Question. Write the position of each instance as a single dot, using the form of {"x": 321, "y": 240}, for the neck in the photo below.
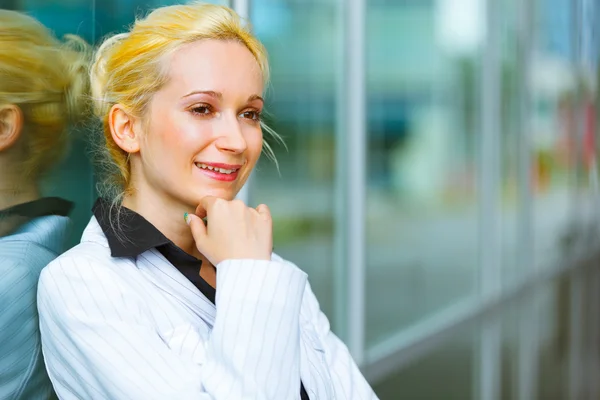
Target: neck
{"x": 166, "y": 215}
{"x": 12, "y": 194}
{"x": 14, "y": 187}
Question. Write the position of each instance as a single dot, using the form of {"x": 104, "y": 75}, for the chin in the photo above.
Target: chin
{"x": 220, "y": 193}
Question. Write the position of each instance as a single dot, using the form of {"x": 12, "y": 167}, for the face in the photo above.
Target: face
{"x": 202, "y": 135}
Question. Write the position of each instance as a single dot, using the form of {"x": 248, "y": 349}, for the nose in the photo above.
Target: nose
{"x": 231, "y": 138}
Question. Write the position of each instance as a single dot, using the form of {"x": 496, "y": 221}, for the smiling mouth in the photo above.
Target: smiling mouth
{"x": 217, "y": 169}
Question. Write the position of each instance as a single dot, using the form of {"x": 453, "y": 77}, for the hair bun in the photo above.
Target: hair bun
{"x": 99, "y": 73}
{"x": 77, "y": 54}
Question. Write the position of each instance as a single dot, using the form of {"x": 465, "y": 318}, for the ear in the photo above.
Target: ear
{"x": 11, "y": 125}
{"x": 124, "y": 129}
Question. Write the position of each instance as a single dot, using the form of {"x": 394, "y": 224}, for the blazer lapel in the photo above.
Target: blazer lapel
{"x": 167, "y": 278}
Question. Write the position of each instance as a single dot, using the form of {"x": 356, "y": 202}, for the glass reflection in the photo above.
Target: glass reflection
{"x": 423, "y": 106}
{"x": 43, "y": 81}
{"x": 554, "y": 123}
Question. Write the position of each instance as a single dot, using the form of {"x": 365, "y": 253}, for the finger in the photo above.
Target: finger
{"x": 205, "y": 205}
{"x": 264, "y": 211}
{"x": 197, "y": 227}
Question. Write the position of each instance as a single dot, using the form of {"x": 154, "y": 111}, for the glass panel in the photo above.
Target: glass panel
{"x": 423, "y": 107}
{"x": 302, "y": 43}
{"x": 537, "y": 332}
{"x": 554, "y": 121}
{"x": 114, "y": 16}
{"x": 41, "y": 156}
{"x": 447, "y": 373}
{"x": 554, "y": 332}
{"x": 73, "y": 178}
{"x": 553, "y": 365}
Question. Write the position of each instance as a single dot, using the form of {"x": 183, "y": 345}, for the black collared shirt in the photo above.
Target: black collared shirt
{"x": 18, "y": 215}
{"x": 136, "y": 235}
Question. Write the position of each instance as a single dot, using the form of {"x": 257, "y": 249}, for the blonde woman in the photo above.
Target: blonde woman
{"x": 42, "y": 86}
{"x": 154, "y": 303}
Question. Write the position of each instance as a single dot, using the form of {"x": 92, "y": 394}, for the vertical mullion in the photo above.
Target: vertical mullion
{"x": 490, "y": 180}
{"x": 527, "y": 368}
{"x": 241, "y": 7}
{"x": 575, "y": 369}
{"x": 592, "y": 364}
{"x": 594, "y": 336}
{"x": 354, "y": 110}
{"x": 489, "y": 176}
{"x": 490, "y": 358}
{"x": 341, "y": 256}
{"x": 575, "y": 334}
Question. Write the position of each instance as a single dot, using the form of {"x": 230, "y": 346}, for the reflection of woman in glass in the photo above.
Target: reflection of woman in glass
{"x": 149, "y": 307}
{"x": 41, "y": 83}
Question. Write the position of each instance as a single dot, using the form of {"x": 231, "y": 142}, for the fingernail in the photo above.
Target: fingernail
{"x": 186, "y": 218}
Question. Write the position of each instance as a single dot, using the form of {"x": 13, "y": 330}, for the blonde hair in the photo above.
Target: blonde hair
{"x": 129, "y": 68}
{"x": 48, "y": 80}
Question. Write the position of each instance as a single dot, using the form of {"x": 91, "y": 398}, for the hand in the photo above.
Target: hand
{"x": 234, "y": 230}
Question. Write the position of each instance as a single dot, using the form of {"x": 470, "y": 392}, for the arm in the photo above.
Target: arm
{"x": 99, "y": 342}
{"x": 19, "y": 334}
{"x": 348, "y": 381}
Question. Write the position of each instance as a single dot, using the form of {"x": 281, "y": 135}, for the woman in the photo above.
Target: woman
{"x": 42, "y": 81}
{"x": 152, "y": 305}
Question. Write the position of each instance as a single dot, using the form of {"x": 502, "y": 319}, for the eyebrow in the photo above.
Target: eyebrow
{"x": 219, "y": 95}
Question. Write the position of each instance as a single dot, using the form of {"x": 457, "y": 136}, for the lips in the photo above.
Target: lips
{"x": 217, "y": 169}
{"x": 219, "y": 172}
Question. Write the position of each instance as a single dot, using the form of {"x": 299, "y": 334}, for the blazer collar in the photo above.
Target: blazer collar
{"x": 162, "y": 274}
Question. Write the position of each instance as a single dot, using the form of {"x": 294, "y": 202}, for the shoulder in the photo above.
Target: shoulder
{"x": 20, "y": 266}
{"x": 83, "y": 254}
{"x": 87, "y": 284}
{"x": 18, "y": 282}
{"x": 87, "y": 262}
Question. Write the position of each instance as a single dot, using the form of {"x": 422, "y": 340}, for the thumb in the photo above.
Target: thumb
{"x": 197, "y": 227}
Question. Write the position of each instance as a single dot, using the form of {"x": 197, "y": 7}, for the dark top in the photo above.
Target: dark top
{"x": 137, "y": 235}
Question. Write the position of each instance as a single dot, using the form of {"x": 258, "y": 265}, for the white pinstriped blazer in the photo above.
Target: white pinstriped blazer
{"x": 125, "y": 328}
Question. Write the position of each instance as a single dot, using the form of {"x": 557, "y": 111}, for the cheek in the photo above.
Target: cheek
{"x": 254, "y": 141}
{"x": 182, "y": 139}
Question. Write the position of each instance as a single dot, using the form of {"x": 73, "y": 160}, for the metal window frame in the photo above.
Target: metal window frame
{"x": 527, "y": 361}
{"x": 380, "y": 360}
{"x": 490, "y": 179}
{"x": 355, "y": 166}
{"x": 421, "y": 338}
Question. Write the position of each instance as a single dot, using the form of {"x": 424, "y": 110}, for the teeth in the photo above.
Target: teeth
{"x": 210, "y": 168}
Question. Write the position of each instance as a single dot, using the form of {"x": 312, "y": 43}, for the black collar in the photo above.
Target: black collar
{"x": 39, "y": 208}
{"x": 128, "y": 233}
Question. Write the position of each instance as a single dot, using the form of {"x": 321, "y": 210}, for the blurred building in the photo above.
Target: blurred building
{"x": 440, "y": 182}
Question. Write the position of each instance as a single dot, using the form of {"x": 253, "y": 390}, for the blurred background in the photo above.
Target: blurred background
{"x": 439, "y": 182}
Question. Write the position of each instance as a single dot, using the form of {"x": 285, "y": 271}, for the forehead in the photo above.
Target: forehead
{"x": 224, "y": 66}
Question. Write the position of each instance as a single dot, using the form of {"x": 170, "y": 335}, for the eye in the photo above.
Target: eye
{"x": 251, "y": 114}
{"x": 201, "y": 109}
